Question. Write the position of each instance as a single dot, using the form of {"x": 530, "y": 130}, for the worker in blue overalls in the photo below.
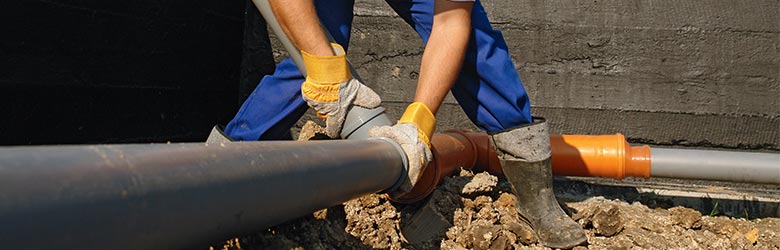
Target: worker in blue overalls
{"x": 463, "y": 54}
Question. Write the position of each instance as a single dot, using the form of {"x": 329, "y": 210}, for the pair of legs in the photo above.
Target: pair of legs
{"x": 488, "y": 87}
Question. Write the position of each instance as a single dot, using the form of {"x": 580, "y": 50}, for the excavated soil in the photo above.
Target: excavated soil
{"x": 476, "y": 211}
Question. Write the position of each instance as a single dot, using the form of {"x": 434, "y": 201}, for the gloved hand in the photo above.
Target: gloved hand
{"x": 330, "y": 89}
{"x": 413, "y": 133}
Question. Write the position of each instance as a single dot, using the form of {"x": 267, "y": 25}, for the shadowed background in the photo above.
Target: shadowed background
{"x": 684, "y": 74}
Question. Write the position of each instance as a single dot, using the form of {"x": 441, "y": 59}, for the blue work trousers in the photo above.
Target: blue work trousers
{"x": 488, "y": 88}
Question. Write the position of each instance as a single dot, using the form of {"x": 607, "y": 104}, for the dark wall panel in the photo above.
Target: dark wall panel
{"x": 118, "y": 71}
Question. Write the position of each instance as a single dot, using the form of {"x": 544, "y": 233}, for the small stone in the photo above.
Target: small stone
{"x": 452, "y": 245}
{"x": 465, "y": 173}
{"x": 483, "y": 235}
{"x": 463, "y": 238}
{"x": 506, "y": 215}
{"x": 453, "y": 232}
{"x": 482, "y": 201}
{"x": 685, "y": 217}
{"x": 369, "y": 201}
{"x": 752, "y": 236}
{"x": 583, "y": 216}
{"x": 389, "y": 214}
{"x": 739, "y": 240}
{"x": 505, "y": 200}
{"x": 480, "y": 184}
{"x": 525, "y": 234}
{"x": 500, "y": 243}
{"x": 607, "y": 220}
{"x": 321, "y": 214}
{"x": 488, "y": 213}
{"x": 468, "y": 204}
{"x": 396, "y": 72}
{"x": 312, "y": 131}
{"x": 461, "y": 217}
{"x": 511, "y": 238}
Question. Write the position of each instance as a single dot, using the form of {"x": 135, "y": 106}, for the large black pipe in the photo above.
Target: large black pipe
{"x": 172, "y": 196}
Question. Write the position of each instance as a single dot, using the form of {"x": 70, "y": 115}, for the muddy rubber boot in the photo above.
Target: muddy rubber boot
{"x": 524, "y": 153}
{"x": 217, "y": 136}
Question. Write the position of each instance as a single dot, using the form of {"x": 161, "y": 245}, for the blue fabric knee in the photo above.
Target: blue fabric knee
{"x": 276, "y": 104}
{"x": 488, "y": 88}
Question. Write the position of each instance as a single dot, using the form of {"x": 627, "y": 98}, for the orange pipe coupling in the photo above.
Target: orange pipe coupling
{"x": 608, "y": 156}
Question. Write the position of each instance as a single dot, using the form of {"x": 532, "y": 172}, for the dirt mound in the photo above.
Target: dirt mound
{"x": 471, "y": 211}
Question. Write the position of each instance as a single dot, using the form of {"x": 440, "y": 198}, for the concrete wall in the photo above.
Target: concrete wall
{"x": 661, "y": 72}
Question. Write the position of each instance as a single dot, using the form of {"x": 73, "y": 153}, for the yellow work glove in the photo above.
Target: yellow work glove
{"x": 413, "y": 132}
{"x": 330, "y": 89}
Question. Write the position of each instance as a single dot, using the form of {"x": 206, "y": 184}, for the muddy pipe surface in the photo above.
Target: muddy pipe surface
{"x": 173, "y": 196}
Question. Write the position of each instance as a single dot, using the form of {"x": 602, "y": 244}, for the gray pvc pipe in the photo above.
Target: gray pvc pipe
{"x": 177, "y": 196}
{"x": 265, "y": 10}
{"x": 715, "y": 165}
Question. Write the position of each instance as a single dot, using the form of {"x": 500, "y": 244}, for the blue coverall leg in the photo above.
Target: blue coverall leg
{"x": 276, "y": 104}
{"x": 488, "y": 88}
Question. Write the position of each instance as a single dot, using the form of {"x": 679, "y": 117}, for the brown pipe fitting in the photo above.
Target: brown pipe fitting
{"x": 487, "y": 156}
{"x": 451, "y": 151}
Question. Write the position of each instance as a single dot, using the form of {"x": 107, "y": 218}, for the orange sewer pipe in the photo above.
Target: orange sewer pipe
{"x": 608, "y": 156}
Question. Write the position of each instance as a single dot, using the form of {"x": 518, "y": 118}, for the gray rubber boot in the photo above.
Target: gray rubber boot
{"x": 217, "y": 136}
{"x": 524, "y": 153}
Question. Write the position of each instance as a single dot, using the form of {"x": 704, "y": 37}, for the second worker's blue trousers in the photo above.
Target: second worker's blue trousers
{"x": 488, "y": 88}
